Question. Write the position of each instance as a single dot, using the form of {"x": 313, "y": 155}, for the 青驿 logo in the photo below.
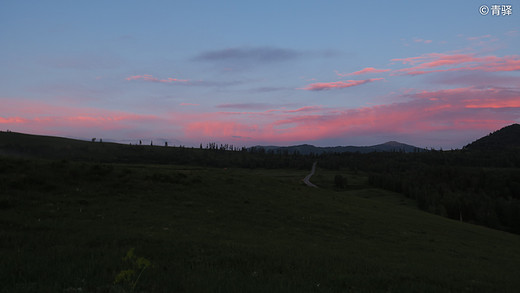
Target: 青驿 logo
{"x": 496, "y": 9}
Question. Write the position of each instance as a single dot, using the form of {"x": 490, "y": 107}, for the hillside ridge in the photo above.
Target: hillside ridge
{"x": 507, "y": 137}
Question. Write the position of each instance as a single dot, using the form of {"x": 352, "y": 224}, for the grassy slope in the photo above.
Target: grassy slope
{"x": 36, "y": 146}
{"x": 66, "y": 225}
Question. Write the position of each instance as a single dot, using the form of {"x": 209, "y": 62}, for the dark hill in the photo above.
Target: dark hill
{"x": 30, "y": 146}
{"x": 50, "y": 147}
{"x": 507, "y": 138}
{"x": 305, "y": 149}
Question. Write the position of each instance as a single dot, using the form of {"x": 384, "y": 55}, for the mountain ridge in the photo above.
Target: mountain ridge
{"x": 506, "y": 138}
{"x": 305, "y": 149}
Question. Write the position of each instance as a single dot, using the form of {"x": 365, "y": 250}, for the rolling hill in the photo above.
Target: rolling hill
{"x": 66, "y": 225}
{"x": 507, "y": 138}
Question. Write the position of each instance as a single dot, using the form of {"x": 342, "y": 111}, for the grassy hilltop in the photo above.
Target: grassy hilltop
{"x": 66, "y": 225}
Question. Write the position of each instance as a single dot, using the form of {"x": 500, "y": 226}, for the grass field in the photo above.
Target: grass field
{"x": 65, "y": 227}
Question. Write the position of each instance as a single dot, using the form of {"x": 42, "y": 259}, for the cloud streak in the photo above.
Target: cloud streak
{"x": 418, "y": 40}
{"x": 255, "y": 54}
{"x": 437, "y": 62}
{"x": 477, "y": 38}
{"x": 319, "y": 86}
{"x": 245, "y": 106}
{"x": 363, "y": 71}
{"x": 185, "y": 82}
{"x": 151, "y": 78}
{"x": 43, "y": 118}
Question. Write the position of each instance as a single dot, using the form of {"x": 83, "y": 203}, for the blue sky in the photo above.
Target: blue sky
{"x": 430, "y": 73}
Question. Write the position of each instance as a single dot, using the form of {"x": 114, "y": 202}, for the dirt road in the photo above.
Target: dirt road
{"x": 306, "y": 179}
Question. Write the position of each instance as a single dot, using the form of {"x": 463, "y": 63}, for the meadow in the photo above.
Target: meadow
{"x": 67, "y": 225}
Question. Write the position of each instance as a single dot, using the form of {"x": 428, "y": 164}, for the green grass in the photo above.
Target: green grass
{"x": 67, "y": 225}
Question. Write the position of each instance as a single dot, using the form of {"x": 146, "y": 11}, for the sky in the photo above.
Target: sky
{"x": 428, "y": 73}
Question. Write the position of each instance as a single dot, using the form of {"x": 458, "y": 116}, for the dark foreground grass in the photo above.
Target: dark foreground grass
{"x": 65, "y": 227}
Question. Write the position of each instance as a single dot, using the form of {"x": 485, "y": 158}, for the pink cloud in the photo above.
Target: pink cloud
{"x": 245, "y": 106}
{"x": 148, "y": 77}
{"x": 305, "y": 109}
{"x": 472, "y": 97}
{"x": 436, "y": 59}
{"x": 422, "y": 41}
{"x": 478, "y": 38}
{"x": 337, "y": 84}
{"x": 44, "y": 118}
{"x": 496, "y": 104}
{"x": 420, "y": 113}
{"x": 475, "y": 78}
{"x": 451, "y": 110}
{"x": 436, "y": 62}
{"x": 364, "y": 71}
{"x": 102, "y": 121}
{"x": 12, "y": 120}
{"x": 223, "y": 129}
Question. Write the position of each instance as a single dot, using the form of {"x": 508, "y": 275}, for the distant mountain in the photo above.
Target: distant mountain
{"x": 305, "y": 149}
{"x": 503, "y": 139}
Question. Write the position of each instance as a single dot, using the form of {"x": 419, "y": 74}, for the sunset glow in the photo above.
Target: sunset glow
{"x": 224, "y": 74}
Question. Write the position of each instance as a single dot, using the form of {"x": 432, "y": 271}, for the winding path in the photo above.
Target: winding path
{"x": 306, "y": 179}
